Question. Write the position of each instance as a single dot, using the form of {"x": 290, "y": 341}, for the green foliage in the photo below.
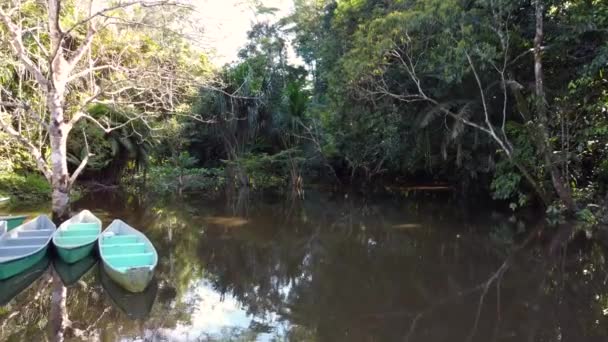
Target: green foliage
{"x": 587, "y": 217}
{"x": 505, "y": 184}
{"x": 410, "y": 90}
{"x": 555, "y": 214}
{"x": 124, "y": 150}
{"x": 14, "y": 158}
{"x": 25, "y": 188}
{"x": 508, "y": 183}
{"x": 266, "y": 171}
{"x": 163, "y": 179}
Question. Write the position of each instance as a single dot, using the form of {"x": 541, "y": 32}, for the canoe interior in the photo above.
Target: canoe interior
{"x": 126, "y": 251}
{"x": 13, "y": 221}
{"x": 77, "y": 234}
{"x": 26, "y": 239}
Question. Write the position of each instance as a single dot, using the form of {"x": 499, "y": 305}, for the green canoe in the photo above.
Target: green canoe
{"x": 13, "y": 221}
{"x": 128, "y": 257}
{"x": 24, "y": 246}
{"x": 75, "y": 238}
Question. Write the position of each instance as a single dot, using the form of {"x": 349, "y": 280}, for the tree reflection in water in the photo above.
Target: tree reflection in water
{"x": 330, "y": 269}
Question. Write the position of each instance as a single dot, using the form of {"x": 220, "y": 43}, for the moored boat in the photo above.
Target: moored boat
{"x": 25, "y": 245}
{"x": 13, "y": 221}
{"x": 75, "y": 238}
{"x": 128, "y": 256}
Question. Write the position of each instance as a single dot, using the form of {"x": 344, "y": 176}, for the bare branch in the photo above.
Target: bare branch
{"x": 108, "y": 127}
{"x": 122, "y": 5}
{"x": 77, "y": 56}
{"x": 20, "y": 51}
{"x": 84, "y": 161}
{"x": 36, "y": 153}
{"x": 89, "y": 70}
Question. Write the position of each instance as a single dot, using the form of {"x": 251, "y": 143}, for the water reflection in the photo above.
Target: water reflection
{"x": 11, "y": 287}
{"x": 71, "y": 273}
{"x": 329, "y": 269}
{"x": 135, "y": 305}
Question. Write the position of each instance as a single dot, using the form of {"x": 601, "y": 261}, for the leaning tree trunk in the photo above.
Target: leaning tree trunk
{"x": 58, "y": 135}
{"x": 560, "y": 183}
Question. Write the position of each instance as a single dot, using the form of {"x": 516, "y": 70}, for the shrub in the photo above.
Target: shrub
{"x": 165, "y": 179}
{"x": 28, "y": 187}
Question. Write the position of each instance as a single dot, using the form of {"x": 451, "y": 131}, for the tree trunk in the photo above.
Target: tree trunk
{"x": 60, "y": 179}
{"x": 559, "y": 182}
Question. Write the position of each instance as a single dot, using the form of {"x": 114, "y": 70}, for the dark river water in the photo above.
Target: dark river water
{"x": 328, "y": 268}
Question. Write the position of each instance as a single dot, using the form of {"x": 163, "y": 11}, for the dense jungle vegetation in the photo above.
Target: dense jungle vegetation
{"x": 500, "y": 98}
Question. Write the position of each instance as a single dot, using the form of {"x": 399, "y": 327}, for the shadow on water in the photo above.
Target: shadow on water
{"x": 71, "y": 273}
{"x": 328, "y": 268}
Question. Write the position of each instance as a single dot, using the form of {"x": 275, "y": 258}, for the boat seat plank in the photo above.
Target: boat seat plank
{"x": 35, "y": 233}
{"x": 79, "y": 232}
{"x": 17, "y": 247}
{"x": 84, "y": 225}
{"x": 75, "y": 240}
{"x": 17, "y": 251}
{"x": 125, "y": 248}
{"x": 88, "y": 236}
{"x": 130, "y": 260}
{"x": 34, "y": 241}
{"x": 119, "y": 239}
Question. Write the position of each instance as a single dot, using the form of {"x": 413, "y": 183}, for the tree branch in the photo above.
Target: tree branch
{"x": 53, "y": 9}
{"x": 143, "y": 3}
{"x": 87, "y": 71}
{"x": 77, "y": 56}
{"x": 40, "y": 162}
{"x": 84, "y": 161}
{"x": 20, "y": 51}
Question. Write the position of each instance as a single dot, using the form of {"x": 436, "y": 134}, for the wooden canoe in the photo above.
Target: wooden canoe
{"x": 25, "y": 245}
{"x": 128, "y": 257}
{"x": 13, "y": 221}
{"x": 76, "y": 237}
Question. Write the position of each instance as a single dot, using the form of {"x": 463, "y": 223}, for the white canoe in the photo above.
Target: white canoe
{"x": 128, "y": 256}
{"x": 25, "y": 245}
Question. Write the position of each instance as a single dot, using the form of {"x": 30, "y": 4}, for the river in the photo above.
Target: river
{"x": 331, "y": 267}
